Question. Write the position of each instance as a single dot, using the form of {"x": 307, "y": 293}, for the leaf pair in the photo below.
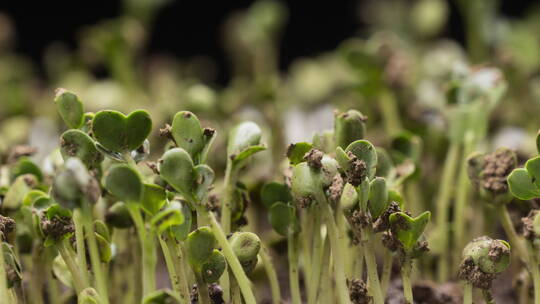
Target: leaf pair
{"x": 205, "y": 260}
{"x": 178, "y": 170}
{"x": 281, "y": 214}
{"x": 246, "y": 247}
{"x": 363, "y": 151}
{"x": 524, "y": 183}
{"x": 408, "y": 230}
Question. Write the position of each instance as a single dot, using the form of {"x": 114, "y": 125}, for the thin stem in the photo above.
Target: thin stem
{"x": 234, "y": 264}
{"x": 68, "y": 257}
{"x": 4, "y": 293}
{"x": 173, "y": 276}
{"x": 38, "y": 274}
{"x": 462, "y": 195}
{"x": 272, "y": 275}
{"x": 227, "y": 198}
{"x": 388, "y": 260}
{"x": 81, "y": 250}
{"x": 101, "y": 281}
{"x": 390, "y": 113}
{"x": 325, "y": 295}
{"x": 467, "y": 293}
{"x": 179, "y": 263}
{"x": 204, "y": 296}
{"x": 515, "y": 241}
{"x": 535, "y": 272}
{"x": 406, "y": 279}
{"x": 443, "y": 200}
{"x": 293, "y": 269}
{"x": 317, "y": 258}
{"x": 235, "y": 292}
{"x": 337, "y": 253}
{"x": 147, "y": 249}
{"x": 369, "y": 255}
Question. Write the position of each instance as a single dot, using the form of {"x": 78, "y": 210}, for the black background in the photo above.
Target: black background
{"x": 187, "y": 28}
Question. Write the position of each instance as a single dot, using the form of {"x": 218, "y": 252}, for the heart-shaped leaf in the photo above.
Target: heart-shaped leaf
{"x": 378, "y": 197}
{"x": 170, "y": 216}
{"x": 187, "y": 133}
{"x": 55, "y": 210}
{"x": 180, "y": 232}
{"x": 213, "y": 267}
{"x": 282, "y": 218}
{"x": 120, "y": 133}
{"x": 125, "y": 183}
{"x": 275, "y": 192}
{"x": 200, "y": 245}
{"x": 408, "y": 230}
{"x": 176, "y": 168}
{"x": 70, "y": 107}
{"x": 153, "y": 198}
{"x": 296, "y": 152}
{"x": 348, "y": 127}
{"x": 521, "y": 185}
{"x": 75, "y": 143}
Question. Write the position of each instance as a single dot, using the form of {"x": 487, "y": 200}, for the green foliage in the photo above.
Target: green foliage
{"x": 75, "y": 143}
{"x": 479, "y": 250}
{"x": 409, "y": 230}
{"x": 125, "y": 183}
{"x": 70, "y": 107}
{"x": 349, "y": 127}
{"x": 120, "y": 133}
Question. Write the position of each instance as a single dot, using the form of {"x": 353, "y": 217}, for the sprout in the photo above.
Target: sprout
{"x": 483, "y": 259}
{"x": 246, "y": 246}
{"x": 70, "y": 107}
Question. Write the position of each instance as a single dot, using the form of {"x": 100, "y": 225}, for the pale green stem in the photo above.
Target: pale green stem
{"x": 515, "y": 241}
{"x": 360, "y": 261}
{"x": 467, "y": 293}
{"x": 443, "y": 200}
{"x": 317, "y": 254}
{"x": 68, "y": 257}
{"x": 406, "y": 279}
{"x": 535, "y": 272}
{"x": 227, "y": 198}
{"x": 179, "y": 263}
{"x": 234, "y": 264}
{"x": 101, "y": 281}
{"x": 272, "y": 275}
{"x": 326, "y": 295}
{"x": 204, "y": 296}
{"x": 294, "y": 280}
{"x": 369, "y": 255}
{"x": 307, "y": 240}
{"x": 81, "y": 250}
{"x": 235, "y": 292}
{"x": 462, "y": 196}
{"x": 37, "y": 275}
{"x": 390, "y": 113}
{"x": 52, "y": 283}
{"x": 4, "y": 293}
{"x": 147, "y": 249}
{"x": 337, "y": 253}
{"x": 388, "y": 260}
{"x": 173, "y": 276}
